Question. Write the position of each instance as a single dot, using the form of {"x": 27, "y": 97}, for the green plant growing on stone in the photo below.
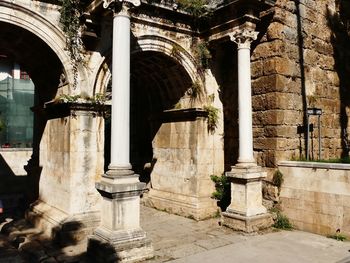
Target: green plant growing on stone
{"x": 195, "y": 91}
{"x": 178, "y": 106}
{"x": 202, "y": 54}
{"x": 278, "y": 179}
{"x": 98, "y": 98}
{"x": 217, "y": 213}
{"x": 222, "y": 191}
{"x": 66, "y": 98}
{"x": 175, "y": 51}
{"x": 338, "y": 236}
{"x": 196, "y": 8}
{"x": 211, "y": 98}
{"x": 282, "y": 222}
{"x": 221, "y": 184}
{"x": 70, "y": 13}
{"x": 213, "y": 117}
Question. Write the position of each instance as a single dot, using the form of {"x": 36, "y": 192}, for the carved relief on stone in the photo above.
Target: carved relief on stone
{"x": 121, "y": 6}
{"x": 244, "y": 37}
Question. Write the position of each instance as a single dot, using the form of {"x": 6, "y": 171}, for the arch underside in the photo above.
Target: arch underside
{"x": 41, "y": 63}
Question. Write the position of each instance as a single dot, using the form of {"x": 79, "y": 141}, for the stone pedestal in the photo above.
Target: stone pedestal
{"x": 120, "y": 238}
{"x": 70, "y": 162}
{"x": 246, "y": 212}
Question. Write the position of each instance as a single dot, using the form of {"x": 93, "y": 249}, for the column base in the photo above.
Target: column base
{"x": 130, "y": 245}
{"x": 246, "y": 212}
{"x": 247, "y": 224}
{"x": 120, "y": 237}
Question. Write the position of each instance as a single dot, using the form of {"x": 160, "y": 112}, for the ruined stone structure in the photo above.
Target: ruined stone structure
{"x": 187, "y": 97}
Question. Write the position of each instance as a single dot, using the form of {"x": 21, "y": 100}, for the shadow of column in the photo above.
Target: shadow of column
{"x": 339, "y": 24}
{"x": 302, "y": 70}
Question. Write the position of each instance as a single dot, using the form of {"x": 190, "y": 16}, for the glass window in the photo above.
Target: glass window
{"x": 16, "y": 118}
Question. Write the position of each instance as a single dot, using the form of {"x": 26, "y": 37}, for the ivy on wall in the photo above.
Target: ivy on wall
{"x": 196, "y": 8}
{"x": 202, "y": 54}
{"x": 70, "y": 13}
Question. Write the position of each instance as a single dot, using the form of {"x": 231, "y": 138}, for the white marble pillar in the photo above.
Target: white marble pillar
{"x": 120, "y": 237}
{"x": 120, "y": 134}
{"x": 246, "y": 212}
{"x": 244, "y": 38}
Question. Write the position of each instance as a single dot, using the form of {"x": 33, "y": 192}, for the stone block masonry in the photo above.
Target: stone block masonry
{"x": 315, "y": 196}
{"x": 294, "y": 66}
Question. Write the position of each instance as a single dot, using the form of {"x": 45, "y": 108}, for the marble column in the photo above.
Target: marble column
{"x": 243, "y": 39}
{"x": 246, "y": 212}
{"x": 120, "y": 235}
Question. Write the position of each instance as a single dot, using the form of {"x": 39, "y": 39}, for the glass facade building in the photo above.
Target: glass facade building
{"x": 16, "y": 118}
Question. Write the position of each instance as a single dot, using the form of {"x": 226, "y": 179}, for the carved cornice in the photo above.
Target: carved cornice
{"x": 243, "y": 37}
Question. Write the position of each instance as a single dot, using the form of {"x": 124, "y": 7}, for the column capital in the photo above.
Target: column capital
{"x": 121, "y": 7}
{"x": 243, "y": 37}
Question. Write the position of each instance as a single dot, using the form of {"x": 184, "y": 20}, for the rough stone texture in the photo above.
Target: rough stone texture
{"x": 270, "y": 192}
{"x": 295, "y": 65}
{"x": 315, "y": 197}
{"x": 247, "y": 224}
{"x": 246, "y": 212}
{"x": 246, "y": 191}
{"x": 134, "y": 250}
{"x": 298, "y": 61}
{"x": 178, "y": 239}
{"x": 185, "y": 159}
{"x": 72, "y": 159}
{"x": 15, "y": 160}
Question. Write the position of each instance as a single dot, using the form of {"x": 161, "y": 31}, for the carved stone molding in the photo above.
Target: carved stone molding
{"x": 244, "y": 37}
{"x": 121, "y": 7}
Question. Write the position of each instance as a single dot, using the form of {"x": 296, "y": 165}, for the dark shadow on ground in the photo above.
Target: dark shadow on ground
{"x": 12, "y": 191}
{"x": 21, "y": 240}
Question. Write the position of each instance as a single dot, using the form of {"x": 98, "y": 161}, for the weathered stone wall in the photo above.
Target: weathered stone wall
{"x": 71, "y": 154}
{"x": 14, "y": 160}
{"x": 315, "y": 196}
{"x": 294, "y": 67}
{"x": 185, "y": 157}
{"x": 71, "y": 157}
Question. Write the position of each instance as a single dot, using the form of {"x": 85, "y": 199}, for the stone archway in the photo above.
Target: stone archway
{"x": 148, "y": 43}
{"x": 170, "y": 145}
{"x": 64, "y": 171}
{"x": 40, "y": 62}
{"x": 159, "y": 84}
{"x": 45, "y": 30}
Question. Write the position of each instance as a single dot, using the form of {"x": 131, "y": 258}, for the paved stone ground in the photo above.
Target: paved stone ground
{"x": 182, "y": 240}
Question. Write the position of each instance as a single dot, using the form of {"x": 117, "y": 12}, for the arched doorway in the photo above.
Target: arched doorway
{"x": 32, "y": 72}
{"x": 171, "y": 147}
{"x": 158, "y": 84}
{"x": 65, "y": 163}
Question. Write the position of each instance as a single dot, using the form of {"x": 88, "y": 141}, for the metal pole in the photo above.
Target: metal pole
{"x": 319, "y": 137}
{"x": 307, "y": 137}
